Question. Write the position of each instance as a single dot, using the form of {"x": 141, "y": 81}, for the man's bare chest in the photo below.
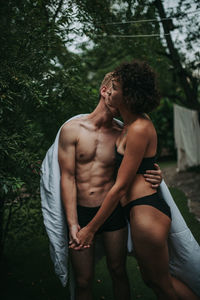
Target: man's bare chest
{"x": 96, "y": 146}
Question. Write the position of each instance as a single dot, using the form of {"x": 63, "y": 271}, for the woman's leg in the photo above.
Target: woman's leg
{"x": 150, "y": 229}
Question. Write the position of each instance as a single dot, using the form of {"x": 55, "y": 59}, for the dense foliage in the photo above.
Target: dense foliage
{"x": 41, "y": 85}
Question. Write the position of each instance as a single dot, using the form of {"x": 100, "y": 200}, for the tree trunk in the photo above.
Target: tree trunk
{"x": 187, "y": 81}
{"x": 1, "y": 227}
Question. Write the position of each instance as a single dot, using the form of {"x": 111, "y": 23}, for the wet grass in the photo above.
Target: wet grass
{"x": 27, "y": 271}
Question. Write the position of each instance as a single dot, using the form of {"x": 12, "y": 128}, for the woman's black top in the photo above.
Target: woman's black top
{"x": 146, "y": 164}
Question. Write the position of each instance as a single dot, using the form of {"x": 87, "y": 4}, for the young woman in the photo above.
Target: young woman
{"x": 134, "y": 94}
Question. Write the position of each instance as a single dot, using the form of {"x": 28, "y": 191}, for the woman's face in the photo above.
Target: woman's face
{"x": 115, "y": 95}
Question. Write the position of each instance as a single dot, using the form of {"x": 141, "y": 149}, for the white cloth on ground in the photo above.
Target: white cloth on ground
{"x": 183, "y": 248}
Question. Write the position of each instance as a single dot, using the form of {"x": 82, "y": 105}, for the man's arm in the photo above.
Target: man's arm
{"x": 66, "y": 158}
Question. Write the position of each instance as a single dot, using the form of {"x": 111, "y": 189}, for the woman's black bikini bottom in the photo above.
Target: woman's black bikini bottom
{"x": 154, "y": 200}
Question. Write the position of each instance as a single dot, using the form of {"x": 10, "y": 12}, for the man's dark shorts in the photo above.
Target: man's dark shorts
{"x": 115, "y": 221}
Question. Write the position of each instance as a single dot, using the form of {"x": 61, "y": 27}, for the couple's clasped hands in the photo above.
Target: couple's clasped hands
{"x": 80, "y": 238}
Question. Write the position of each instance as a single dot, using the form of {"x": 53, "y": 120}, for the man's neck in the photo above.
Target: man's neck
{"x": 101, "y": 116}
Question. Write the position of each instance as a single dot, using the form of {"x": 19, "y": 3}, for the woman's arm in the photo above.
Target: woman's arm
{"x": 136, "y": 145}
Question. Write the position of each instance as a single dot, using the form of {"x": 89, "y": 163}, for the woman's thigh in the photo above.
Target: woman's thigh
{"x": 149, "y": 229}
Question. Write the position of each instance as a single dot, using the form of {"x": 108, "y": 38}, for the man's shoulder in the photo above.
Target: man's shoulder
{"x": 74, "y": 123}
{"x": 71, "y": 129}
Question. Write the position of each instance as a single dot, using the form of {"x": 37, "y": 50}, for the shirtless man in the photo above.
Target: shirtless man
{"x": 86, "y": 158}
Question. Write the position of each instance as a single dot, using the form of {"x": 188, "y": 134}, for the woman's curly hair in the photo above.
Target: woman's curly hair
{"x": 138, "y": 85}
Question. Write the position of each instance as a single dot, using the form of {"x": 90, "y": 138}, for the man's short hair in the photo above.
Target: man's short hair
{"x": 106, "y": 80}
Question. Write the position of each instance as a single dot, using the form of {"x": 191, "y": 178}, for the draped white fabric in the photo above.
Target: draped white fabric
{"x": 187, "y": 137}
{"x": 183, "y": 248}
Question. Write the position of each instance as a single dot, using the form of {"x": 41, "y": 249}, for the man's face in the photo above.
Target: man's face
{"x": 115, "y": 95}
{"x": 114, "y": 111}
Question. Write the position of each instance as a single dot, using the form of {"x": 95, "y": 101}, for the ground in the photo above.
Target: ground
{"x": 188, "y": 182}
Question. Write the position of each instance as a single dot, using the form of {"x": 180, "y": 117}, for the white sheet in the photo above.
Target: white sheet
{"x": 187, "y": 137}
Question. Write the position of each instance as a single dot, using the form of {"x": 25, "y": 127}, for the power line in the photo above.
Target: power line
{"x": 140, "y": 21}
{"x": 130, "y": 36}
{"x": 137, "y": 21}
{"x": 123, "y": 36}
{"x": 149, "y": 20}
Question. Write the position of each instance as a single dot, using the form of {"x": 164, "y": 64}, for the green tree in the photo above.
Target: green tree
{"x": 41, "y": 85}
{"x": 115, "y": 28}
{"x": 106, "y": 22}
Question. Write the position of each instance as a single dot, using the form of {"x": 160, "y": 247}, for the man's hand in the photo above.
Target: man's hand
{"x": 154, "y": 176}
{"x": 73, "y": 240}
{"x": 84, "y": 237}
